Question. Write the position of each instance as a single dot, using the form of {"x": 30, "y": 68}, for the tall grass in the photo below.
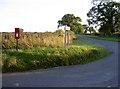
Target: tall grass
{"x": 30, "y": 40}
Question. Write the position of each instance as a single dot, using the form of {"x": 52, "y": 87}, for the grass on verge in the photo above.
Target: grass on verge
{"x": 80, "y": 52}
{"x": 116, "y": 39}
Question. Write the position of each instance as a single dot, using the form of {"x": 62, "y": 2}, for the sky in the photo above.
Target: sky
{"x": 39, "y": 15}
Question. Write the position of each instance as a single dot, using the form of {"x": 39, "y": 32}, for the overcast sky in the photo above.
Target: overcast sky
{"x": 39, "y": 15}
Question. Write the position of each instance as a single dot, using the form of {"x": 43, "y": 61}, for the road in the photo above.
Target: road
{"x": 100, "y": 73}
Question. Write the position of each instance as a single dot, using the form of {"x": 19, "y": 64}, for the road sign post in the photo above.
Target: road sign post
{"x": 68, "y": 37}
{"x": 66, "y": 28}
{"x": 17, "y": 36}
{"x": 65, "y": 37}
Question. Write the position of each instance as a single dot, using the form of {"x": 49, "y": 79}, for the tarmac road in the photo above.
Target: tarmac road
{"x": 100, "y": 73}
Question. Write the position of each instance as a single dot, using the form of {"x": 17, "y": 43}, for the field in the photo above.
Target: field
{"x": 30, "y": 40}
{"x": 35, "y": 57}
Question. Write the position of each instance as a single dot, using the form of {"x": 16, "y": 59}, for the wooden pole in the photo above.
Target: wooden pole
{"x": 17, "y": 44}
{"x": 68, "y": 37}
{"x": 64, "y": 37}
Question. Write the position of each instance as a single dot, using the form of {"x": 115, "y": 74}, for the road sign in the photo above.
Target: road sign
{"x": 17, "y": 33}
{"x": 67, "y": 28}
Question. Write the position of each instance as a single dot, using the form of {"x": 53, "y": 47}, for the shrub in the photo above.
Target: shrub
{"x": 60, "y": 32}
{"x": 117, "y": 34}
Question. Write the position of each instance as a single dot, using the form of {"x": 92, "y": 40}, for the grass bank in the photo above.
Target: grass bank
{"x": 109, "y": 38}
{"x": 80, "y": 52}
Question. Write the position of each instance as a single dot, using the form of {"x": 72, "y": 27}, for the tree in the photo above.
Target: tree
{"x": 105, "y": 15}
{"x": 72, "y": 21}
{"x": 86, "y": 28}
{"x": 118, "y": 18}
{"x": 92, "y": 30}
{"x": 21, "y": 30}
{"x": 95, "y": 2}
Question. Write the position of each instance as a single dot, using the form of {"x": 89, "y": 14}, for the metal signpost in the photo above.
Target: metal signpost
{"x": 17, "y": 36}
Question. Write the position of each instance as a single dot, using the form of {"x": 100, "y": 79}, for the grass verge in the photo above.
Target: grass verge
{"x": 80, "y": 52}
{"x": 116, "y": 39}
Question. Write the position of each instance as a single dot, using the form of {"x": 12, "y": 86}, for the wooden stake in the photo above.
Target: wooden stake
{"x": 68, "y": 37}
{"x": 17, "y": 44}
{"x": 65, "y": 38}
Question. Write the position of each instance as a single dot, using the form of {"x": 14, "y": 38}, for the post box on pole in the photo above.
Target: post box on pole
{"x": 17, "y": 33}
{"x": 17, "y": 36}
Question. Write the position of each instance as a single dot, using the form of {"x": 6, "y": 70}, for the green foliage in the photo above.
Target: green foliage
{"x": 106, "y": 15}
{"x": 79, "y": 52}
{"x": 92, "y": 30}
{"x": 97, "y": 1}
{"x": 88, "y": 29}
{"x": 117, "y": 34}
{"x": 59, "y": 32}
{"x": 72, "y": 21}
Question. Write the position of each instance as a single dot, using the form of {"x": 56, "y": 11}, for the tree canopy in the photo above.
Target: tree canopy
{"x": 89, "y": 29}
{"x": 95, "y": 2}
{"x": 72, "y": 21}
{"x": 106, "y": 15}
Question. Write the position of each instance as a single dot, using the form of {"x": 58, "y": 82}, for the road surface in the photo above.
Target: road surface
{"x": 100, "y": 73}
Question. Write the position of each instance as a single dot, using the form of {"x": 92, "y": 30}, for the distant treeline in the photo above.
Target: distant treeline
{"x": 30, "y": 39}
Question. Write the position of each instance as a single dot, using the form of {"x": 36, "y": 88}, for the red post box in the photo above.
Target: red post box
{"x": 17, "y": 33}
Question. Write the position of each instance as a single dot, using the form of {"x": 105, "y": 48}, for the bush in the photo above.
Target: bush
{"x": 60, "y": 32}
{"x": 117, "y": 34}
{"x": 97, "y": 34}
